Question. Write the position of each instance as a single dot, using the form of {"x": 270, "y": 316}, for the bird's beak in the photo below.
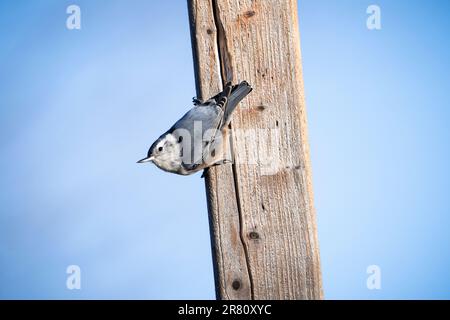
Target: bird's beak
{"x": 148, "y": 159}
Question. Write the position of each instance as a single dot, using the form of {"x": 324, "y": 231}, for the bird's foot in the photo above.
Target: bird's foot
{"x": 196, "y": 101}
{"x": 224, "y": 161}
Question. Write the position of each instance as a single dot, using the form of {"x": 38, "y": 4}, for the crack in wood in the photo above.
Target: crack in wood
{"x": 227, "y": 76}
{"x": 224, "y": 54}
{"x": 241, "y": 229}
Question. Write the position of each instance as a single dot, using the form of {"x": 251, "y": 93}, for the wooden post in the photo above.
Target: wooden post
{"x": 261, "y": 212}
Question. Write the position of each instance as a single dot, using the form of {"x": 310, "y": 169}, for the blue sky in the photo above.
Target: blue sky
{"x": 78, "y": 108}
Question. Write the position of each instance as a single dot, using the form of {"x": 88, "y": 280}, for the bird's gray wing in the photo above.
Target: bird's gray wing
{"x": 197, "y": 128}
{"x": 227, "y": 101}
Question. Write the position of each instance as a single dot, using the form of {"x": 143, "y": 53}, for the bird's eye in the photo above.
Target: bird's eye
{"x": 160, "y": 149}
{"x": 180, "y": 139}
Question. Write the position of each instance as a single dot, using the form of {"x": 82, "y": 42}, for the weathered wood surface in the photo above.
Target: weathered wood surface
{"x": 261, "y": 212}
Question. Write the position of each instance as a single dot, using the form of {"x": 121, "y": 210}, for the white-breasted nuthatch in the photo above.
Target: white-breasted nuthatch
{"x": 196, "y": 140}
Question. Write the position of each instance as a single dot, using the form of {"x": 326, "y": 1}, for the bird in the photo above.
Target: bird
{"x": 197, "y": 140}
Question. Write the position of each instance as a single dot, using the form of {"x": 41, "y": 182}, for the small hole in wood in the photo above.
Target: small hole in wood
{"x": 209, "y": 31}
{"x": 249, "y": 14}
{"x": 276, "y": 123}
{"x": 263, "y": 206}
{"x": 254, "y": 235}
{"x": 261, "y": 107}
{"x": 236, "y": 284}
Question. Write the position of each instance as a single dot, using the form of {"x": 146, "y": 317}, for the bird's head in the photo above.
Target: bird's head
{"x": 165, "y": 153}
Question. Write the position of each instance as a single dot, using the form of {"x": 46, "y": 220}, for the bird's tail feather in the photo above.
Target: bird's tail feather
{"x": 238, "y": 92}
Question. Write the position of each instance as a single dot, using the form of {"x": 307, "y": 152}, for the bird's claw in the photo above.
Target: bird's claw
{"x": 196, "y": 101}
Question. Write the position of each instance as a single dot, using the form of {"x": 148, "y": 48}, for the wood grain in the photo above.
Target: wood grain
{"x": 262, "y": 218}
